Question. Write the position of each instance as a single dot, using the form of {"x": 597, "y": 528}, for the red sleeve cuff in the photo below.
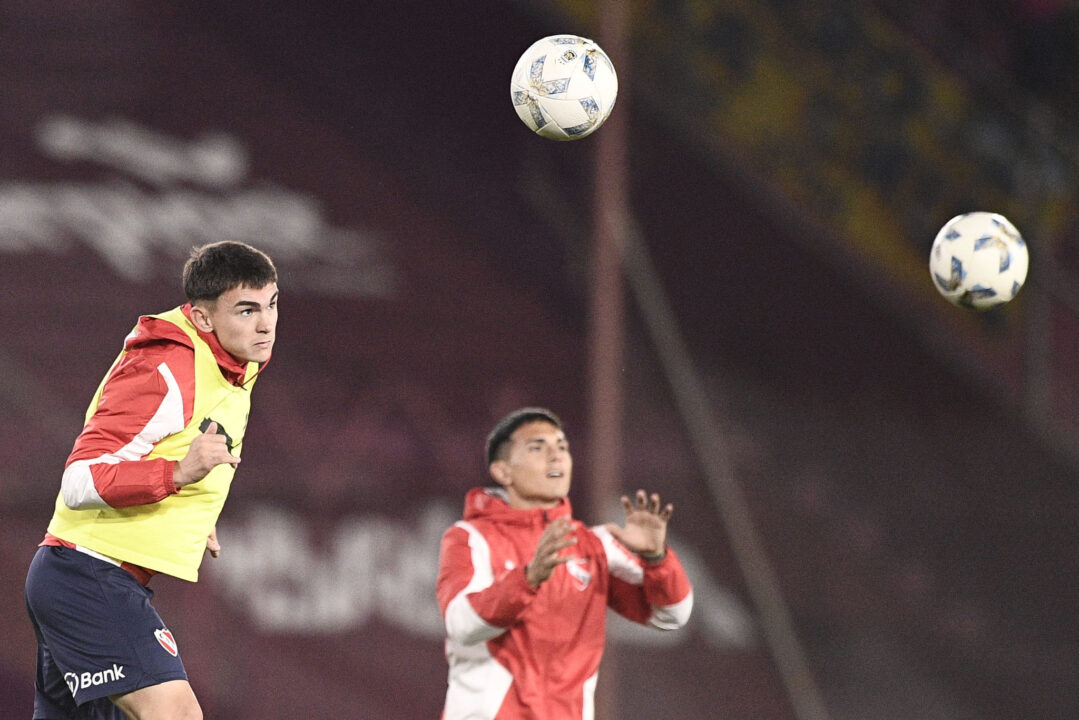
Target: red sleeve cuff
{"x": 134, "y": 482}
{"x": 656, "y": 560}
{"x": 665, "y": 580}
{"x": 168, "y": 478}
{"x": 502, "y": 603}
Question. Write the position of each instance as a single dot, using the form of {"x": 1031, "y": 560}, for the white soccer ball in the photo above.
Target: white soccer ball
{"x": 563, "y": 87}
{"x": 979, "y": 260}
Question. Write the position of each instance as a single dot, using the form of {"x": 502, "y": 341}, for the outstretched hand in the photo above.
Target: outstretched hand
{"x": 556, "y": 536}
{"x": 645, "y": 532}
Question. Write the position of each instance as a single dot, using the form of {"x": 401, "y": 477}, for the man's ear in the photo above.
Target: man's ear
{"x": 500, "y": 471}
{"x": 201, "y": 318}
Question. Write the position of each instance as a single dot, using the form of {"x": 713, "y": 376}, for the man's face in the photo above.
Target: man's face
{"x": 244, "y": 320}
{"x": 537, "y": 467}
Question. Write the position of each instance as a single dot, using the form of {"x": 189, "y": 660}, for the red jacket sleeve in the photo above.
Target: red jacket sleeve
{"x": 657, "y": 594}
{"x": 476, "y": 604}
{"x": 147, "y": 396}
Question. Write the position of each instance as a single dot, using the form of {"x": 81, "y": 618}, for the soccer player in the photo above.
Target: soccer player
{"x": 524, "y": 588}
{"x": 142, "y": 490}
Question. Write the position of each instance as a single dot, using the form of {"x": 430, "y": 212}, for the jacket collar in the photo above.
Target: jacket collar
{"x": 493, "y": 503}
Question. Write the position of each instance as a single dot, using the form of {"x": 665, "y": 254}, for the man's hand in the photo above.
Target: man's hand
{"x": 212, "y": 544}
{"x": 646, "y": 525}
{"x": 556, "y": 536}
{"x": 207, "y": 451}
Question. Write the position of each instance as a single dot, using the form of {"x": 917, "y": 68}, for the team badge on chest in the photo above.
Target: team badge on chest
{"x": 578, "y": 570}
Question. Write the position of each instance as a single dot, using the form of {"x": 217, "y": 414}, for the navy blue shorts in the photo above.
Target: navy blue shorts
{"x": 97, "y": 635}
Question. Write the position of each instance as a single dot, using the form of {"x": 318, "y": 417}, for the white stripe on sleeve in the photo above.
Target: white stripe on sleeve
{"x": 672, "y": 617}
{"x": 463, "y": 624}
{"x": 77, "y": 485}
{"x": 622, "y": 565}
{"x": 628, "y": 568}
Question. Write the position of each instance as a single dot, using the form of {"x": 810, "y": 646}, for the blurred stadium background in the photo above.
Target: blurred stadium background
{"x": 876, "y": 492}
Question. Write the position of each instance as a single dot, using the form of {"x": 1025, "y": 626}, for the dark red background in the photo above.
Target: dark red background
{"x": 923, "y": 537}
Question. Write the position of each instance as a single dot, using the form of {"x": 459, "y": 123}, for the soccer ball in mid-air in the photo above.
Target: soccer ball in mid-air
{"x": 978, "y": 260}
{"x": 564, "y": 87}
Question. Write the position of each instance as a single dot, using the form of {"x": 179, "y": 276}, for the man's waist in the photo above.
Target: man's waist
{"x": 141, "y": 574}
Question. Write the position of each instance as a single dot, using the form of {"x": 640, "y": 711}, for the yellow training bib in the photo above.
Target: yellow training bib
{"x": 170, "y": 536}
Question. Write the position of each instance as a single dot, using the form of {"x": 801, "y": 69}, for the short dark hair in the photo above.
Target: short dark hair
{"x": 218, "y": 267}
{"x": 500, "y": 435}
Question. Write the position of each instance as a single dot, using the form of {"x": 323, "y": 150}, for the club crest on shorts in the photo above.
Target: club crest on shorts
{"x": 164, "y": 636}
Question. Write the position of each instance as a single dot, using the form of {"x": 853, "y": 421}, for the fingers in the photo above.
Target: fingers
{"x": 216, "y": 447}
{"x": 206, "y": 452}
{"x": 561, "y": 545}
{"x": 217, "y": 444}
{"x": 643, "y": 502}
{"x": 212, "y": 544}
{"x": 228, "y": 458}
{"x": 618, "y": 533}
{"x": 556, "y": 537}
{"x": 549, "y": 560}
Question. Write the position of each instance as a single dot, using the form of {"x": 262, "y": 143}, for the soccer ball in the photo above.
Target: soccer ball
{"x": 563, "y": 87}
{"x": 979, "y": 260}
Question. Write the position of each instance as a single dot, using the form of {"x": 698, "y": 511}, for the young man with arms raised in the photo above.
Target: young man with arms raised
{"x": 524, "y": 588}
{"x": 142, "y": 490}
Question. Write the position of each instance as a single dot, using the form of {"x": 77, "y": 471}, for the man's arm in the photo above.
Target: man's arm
{"x": 651, "y": 593}
{"x": 648, "y": 583}
{"x": 147, "y": 396}
{"x": 476, "y": 605}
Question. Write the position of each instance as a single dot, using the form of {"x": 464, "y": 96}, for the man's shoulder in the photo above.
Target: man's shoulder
{"x": 153, "y": 330}
{"x": 162, "y": 347}
{"x": 468, "y": 527}
{"x": 464, "y": 526}
{"x": 146, "y": 357}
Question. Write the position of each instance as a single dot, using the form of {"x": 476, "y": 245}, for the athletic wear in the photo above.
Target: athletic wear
{"x": 117, "y": 495}
{"x": 97, "y": 635}
{"x": 517, "y": 652}
{"x": 118, "y": 518}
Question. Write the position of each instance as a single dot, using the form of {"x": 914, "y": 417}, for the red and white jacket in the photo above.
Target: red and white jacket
{"x": 516, "y": 652}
